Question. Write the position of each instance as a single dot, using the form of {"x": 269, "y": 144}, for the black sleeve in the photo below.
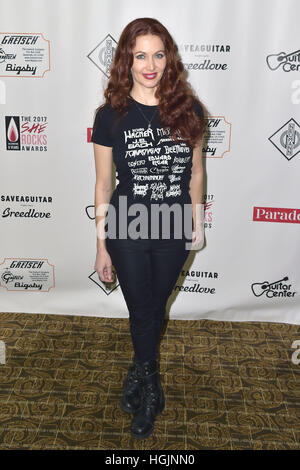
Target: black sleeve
{"x": 101, "y": 129}
{"x": 198, "y": 109}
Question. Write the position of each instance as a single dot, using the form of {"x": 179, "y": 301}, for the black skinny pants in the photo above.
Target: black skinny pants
{"x": 147, "y": 271}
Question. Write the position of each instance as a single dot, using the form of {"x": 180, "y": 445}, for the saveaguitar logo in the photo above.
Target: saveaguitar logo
{"x": 205, "y": 56}
{"x": 276, "y": 214}
{"x": 31, "y": 207}
{"x": 197, "y": 282}
{"x": 26, "y": 133}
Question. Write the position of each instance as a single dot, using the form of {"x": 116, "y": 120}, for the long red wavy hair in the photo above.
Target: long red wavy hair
{"x": 174, "y": 93}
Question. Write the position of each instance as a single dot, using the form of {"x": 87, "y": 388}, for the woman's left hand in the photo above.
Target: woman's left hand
{"x": 198, "y": 225}
{"x": 198, "y": 238}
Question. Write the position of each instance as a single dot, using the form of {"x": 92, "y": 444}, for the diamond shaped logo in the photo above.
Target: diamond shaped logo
{"x": 102, "y": 55}
{"x": 107, "y": 288}
{"x": 287, "y": 139}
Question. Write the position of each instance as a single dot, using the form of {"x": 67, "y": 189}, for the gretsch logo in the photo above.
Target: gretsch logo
{"x": 288, "y": 62}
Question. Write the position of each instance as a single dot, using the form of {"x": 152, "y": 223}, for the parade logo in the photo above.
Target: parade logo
{"x": 276, "y": 214}
{"x": 201, "y": 56}
{"x": 102, "y": 55}
{"x": 273, "y": 289}
{"x": 287, "y": 62}
{"x": 27, "y": 274}
{"x": 89, "y": 134}
{"x": 287, "y": 139}
{"x": 26, "y": 133}
{"x": 24, "y": 55}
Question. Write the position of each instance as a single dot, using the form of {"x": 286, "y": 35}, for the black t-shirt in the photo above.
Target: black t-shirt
{"x": 152, "y": 169}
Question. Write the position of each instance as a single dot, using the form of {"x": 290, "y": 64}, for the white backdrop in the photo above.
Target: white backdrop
{"x": 243, "y": 60}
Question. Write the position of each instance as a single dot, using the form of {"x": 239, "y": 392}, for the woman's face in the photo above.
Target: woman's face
{"x": 149, "y": 61}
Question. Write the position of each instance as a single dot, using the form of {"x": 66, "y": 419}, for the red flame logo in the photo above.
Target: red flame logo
{"x": 12, "y": 131}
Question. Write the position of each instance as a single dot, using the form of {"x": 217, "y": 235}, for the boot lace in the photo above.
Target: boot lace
{"x": 132, "y": 378}
{"x": 150, "y": 397}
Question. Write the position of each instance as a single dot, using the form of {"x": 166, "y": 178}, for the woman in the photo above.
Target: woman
{"x": 151, "y": 125}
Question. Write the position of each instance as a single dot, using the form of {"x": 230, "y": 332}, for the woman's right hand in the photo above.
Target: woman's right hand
{"x": 103, "y": 266}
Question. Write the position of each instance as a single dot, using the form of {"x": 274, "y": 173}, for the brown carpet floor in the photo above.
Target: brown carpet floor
{"x": 228, "y": 385}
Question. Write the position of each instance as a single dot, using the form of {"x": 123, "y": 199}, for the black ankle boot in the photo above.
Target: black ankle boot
{"x": 130, "y": 401}
{"x": 153, "y": 401}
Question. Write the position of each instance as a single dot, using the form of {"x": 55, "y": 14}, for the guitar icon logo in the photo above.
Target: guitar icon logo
{"x": 274, "y": 61}
{"x": 258, "y": 288}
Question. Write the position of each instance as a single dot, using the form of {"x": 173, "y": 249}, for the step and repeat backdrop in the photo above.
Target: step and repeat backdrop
{"x": 243, "y": 61}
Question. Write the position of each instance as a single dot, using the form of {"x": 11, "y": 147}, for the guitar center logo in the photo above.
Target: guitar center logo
{"x": 203, "y": 56}
{"x": 26, "y": 133}
{"x": 102, "y": 55}
{"x": 280, "y": 288}
{"x": 287, "y": 139}
{"x": 24, "y": 55}
{"x": 288, "y": 62}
